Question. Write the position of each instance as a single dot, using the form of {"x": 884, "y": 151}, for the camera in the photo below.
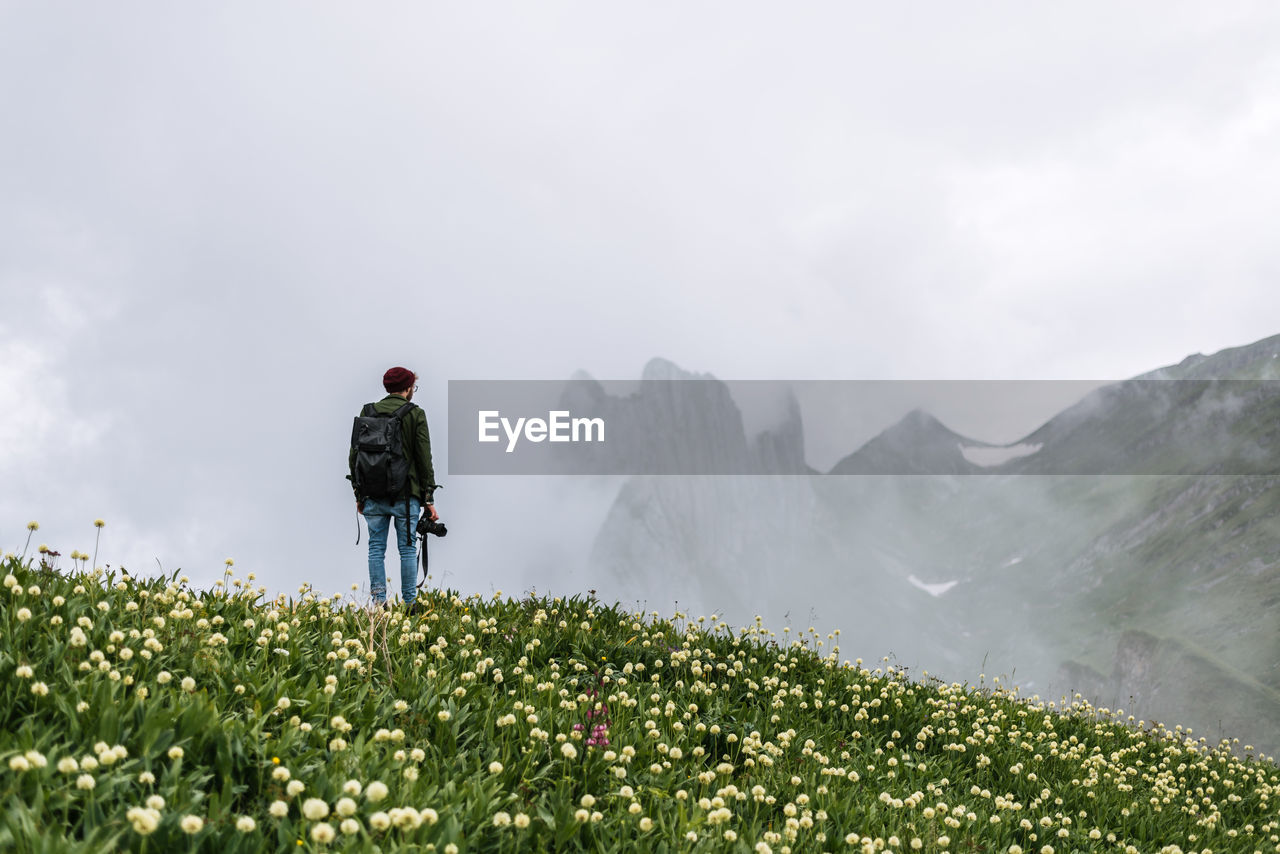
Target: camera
{"x": 434, "y": 527}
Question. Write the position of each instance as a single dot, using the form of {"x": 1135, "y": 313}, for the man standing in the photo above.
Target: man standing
{"x": 384, "y": 490}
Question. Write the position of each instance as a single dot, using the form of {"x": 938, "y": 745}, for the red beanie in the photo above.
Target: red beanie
{"x": 398, "y": 379}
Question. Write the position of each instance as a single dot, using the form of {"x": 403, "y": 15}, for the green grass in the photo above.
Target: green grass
{"x": 475, "y": 722}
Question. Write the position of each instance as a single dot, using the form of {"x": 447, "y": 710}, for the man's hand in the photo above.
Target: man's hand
{"x": 431, "y": 509}
{"x": 360, "y": 505}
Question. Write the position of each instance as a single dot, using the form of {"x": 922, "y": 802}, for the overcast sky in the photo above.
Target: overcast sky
{"x": 220, "y": 223}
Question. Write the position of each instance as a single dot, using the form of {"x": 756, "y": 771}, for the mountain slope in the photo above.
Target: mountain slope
{"x": 1041, "y": 569}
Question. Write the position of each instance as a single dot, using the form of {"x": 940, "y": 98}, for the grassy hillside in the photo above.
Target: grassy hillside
{"x": 140, "y": 714}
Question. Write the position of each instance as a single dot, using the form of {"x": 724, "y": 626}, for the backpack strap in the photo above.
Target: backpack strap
{"x": 367, "y": 411}
{"x": 409, "y": 524}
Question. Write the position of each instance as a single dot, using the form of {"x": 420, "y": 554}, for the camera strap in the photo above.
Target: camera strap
{"x": 422, "y": 582}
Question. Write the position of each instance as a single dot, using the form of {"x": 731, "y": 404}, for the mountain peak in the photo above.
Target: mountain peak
{"x": 921, "y": 421}
{"x": 659, "y": 368}
{"x": 917, "y": 444}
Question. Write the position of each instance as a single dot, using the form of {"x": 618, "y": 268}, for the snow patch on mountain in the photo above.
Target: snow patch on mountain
{"x": 932, "y": 589}
{"x": 987, "y": 457}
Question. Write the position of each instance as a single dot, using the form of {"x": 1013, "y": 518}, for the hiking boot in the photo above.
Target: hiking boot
{"x": 413, "y": 609}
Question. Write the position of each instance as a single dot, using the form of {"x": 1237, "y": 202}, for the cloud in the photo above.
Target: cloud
{"x": 24, "y": 380}
{"x": 38, "y": 416}
{"x": 219, "y": 227}
{"x": 1124, "y": 231}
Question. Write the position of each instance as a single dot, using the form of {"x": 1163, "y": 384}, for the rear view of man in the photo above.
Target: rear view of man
{"x": 393, "y": 479}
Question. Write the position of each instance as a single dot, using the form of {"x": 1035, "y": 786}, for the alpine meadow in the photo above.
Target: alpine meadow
{"x": 141, "y": 714}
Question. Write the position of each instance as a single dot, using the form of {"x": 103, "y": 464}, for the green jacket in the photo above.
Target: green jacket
{"x": 417, "y": 444}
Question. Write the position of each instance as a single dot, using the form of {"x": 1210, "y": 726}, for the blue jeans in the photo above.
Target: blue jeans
{"x": 378, "y": 516}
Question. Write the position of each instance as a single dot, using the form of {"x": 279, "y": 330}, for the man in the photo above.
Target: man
{"x": 379, "y": 511}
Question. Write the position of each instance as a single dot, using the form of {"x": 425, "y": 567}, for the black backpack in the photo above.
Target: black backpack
{"x": 382, "y": 464}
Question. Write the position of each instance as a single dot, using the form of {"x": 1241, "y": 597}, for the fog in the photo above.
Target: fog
{"x": 220, "y": 225}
